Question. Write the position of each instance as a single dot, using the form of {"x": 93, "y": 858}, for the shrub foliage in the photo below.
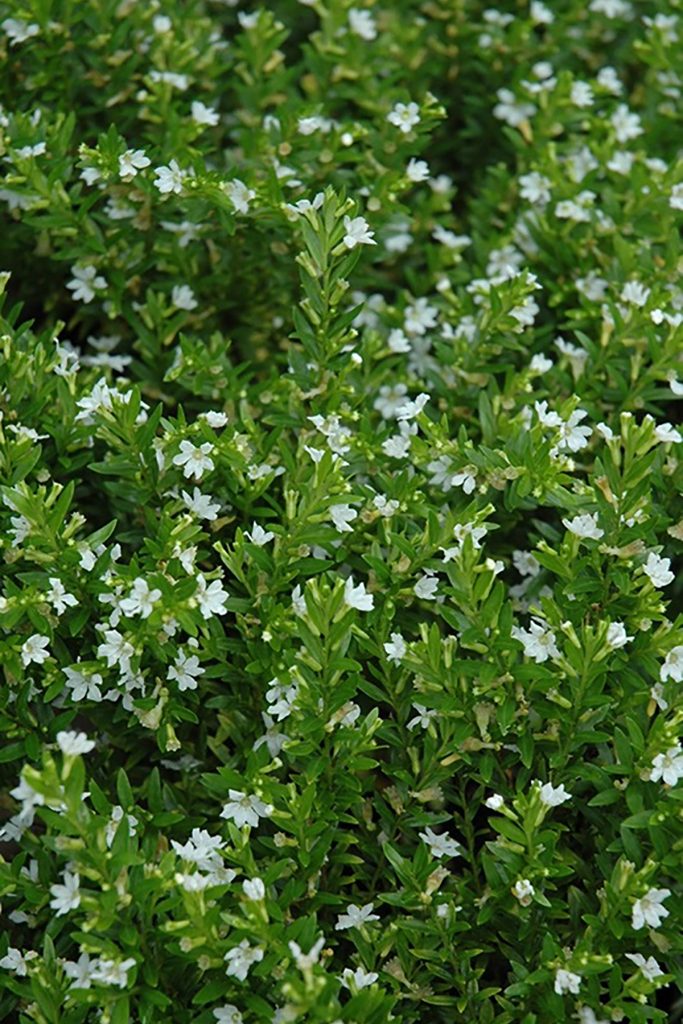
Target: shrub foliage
{"x": 340, "y": 503}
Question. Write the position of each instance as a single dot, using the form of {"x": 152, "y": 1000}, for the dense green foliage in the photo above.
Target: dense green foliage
{"x": 340, "y": 631}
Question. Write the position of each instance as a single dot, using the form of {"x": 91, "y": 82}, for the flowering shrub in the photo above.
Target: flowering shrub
{"x": 340, "y": 510}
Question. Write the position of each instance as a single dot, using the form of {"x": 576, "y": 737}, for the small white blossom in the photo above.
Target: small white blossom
{"x": 657, "y": 570}
{"x": 182, "y": 297}
{"x": 668, "y": 767}
{"x": 341, "y": 516}
{"x": 357, "y": 596}
{"x": 244, "y": 809}
{"x": 72, "y": 743}
{"x": 404, "y": 116}
{"x": 132, "y": 161}
{"x": 426, "y": 588}
{"x": 523, "y": 891}
{"x": 253, "y": 888}
{"x": 357, "y": 232}
{"x": 617, "y": 636}
{"x": 395, "y": 649}
{"x": 194, "y": 460}
{"x": 203, "y": 115}
{"x": 649, "y": 968}
{"x": 170, "y": 178}
{"x": 240, "y": 958}
{"x": 66, "y": 897}
{"x": 258, "y": 536}
{"x": 673, "y": 665}
{"x": 240, "y": 195}
{"x": 539, "y": 641}
{"x": 553, "y": 796}
{"x": 423, "y": 717}
{"x": 585, "y": 526}
{"x": 362, "y": 24}
{"x": 648, "y": 910}
{"x": 440, "y": 845}
{"x": 35, "y": 650}
{"x": 358, "y": 979}
{"x": 566, "y": 981}
{"x": 355, "y": 917}
{"x": 185, "y": 671}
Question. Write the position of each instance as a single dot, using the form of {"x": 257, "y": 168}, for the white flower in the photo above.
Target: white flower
{"x": 244, "y": 809}
{"x": 649, "y": 910}
{"x": 182, "y": 297}
{"x": 253, "y": 888}
{"x": 357, "y": 232}
{"x": 141, "y": 599}
{"x": 511, "y": 110}
{"x": 305, "y": 961}
{"x": 67, "y": 896}
{"x": 667, "y": 434}
{"x": 16, "y": 961}
{"x": 240, "y": 195}
{"x": 668, "y": 767}
{"x": 201, "y": 114}
{"x": 395, "y": 649}
{"x": 85, "y": 283}
{"x": 617, "y": 636}
{"x": 210, "y": 598}
{"x": 417, "y": 170}
{"x": 585, "y": 526}
{"x": 259, "y": 536}
{"x": 423, "y": 717}
{"x": 170, "y": 178}
{"x": 404, "y": 116}
{"x": 625, "y": 123}
{"x": 200, "y": 504}
{"x": 676, "y": 197}
{"x": 358, "y": 597}
{"x": 535, "y": 187}
{"x": 132, "y": 161}
{"x": 58, "y": 597}
{"x": 635, "y": 293}
{"x": 440, "y": 845}
{"x": 495, "y": 802}
{"x": 657, "y": 570}
{"x": 201, "y": 849}
{"x": 272, "y": 737}
{"x": 426, "y": 588}
{"x": 19, "y": 31}
{"x": 116, "y": 650}
{"x": 194, "y": 460}
{"x": 553, "y": 796}
{"x": 228, "y": 1014}
{"x": 355, "y": 917}
{"x": 358, "y": 979}
{"x": 185, "y": 671}
{"x": 34, "y": 650}
{"x": 109, "y": 972}
{"x": 72, "y": 743}
{"x": 523, "y": 891}
{"x": 673, "y": 665}
{"x": 240, "y": 959}
{"x": 581, "y": 94}
{"x": 566, "y": 981}
{"x": 362, "y": 24}
{"x": 649, "y": 968}
{"x": 215, "y": 419}
{"x": 341, "y": 516}
{"x": 539, "y": 641}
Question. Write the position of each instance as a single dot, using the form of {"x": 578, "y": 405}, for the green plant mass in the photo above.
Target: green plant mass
{"x": 341, "y": 639}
